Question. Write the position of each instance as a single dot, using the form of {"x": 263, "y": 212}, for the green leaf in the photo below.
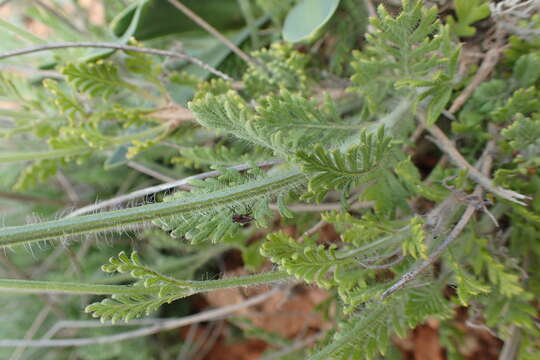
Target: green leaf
{"x": 306, "y": 17}
{"x": 524, "y": 101}
{"x": 159, "y": 18}
{"x": 285, "y": 69}
{"x": 306, "y": 261}
{"x": 408, "y": 173}
{"x": 468, "y": 12}
{"x": 414, "y": 244}
{"x": 410, "y": 55}
{"x": 97, "y": 79}
{"x": 66, "y": 103}
{"x": 527, "y": 69}
{"x": 524, "y": 132}
{"x": 467, "y": 285}
{"x": 437, "y": 104}
{"x": 281, "y": 122}
{"x": 368, "y": 333}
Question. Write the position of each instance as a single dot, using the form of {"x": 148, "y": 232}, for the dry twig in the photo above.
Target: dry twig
{"x": 442, "y": 141}
{"x": 158, "y": 326}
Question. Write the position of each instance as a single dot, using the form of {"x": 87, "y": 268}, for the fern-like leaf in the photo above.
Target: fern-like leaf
{"x": 284, "y": 68}
{"x": 97, "y": 79}
{"x": 66, "y": 103}
{"x": 308, "y": 261}
{"x": 282, "y": 123}
{"x": 414, "y": 244}
{"x": 367, "y": 334}
{"x": 344, "y": 170}
{"x": 524, "y": 134}
{"x": 127, "y": 307}
{"x": 409, "y": 51}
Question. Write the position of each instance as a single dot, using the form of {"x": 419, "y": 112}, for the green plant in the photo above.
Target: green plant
{"x": 467, "y": 12}
{"x": 396, "y": 263}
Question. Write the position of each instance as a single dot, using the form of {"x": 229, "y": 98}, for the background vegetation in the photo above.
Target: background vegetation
{"x": 273, "y": 179}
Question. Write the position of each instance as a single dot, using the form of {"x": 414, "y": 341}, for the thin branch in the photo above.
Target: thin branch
{"x": 392, "y": 263}
{"x": 38, "y": 321}
{"x": 370, "y": 8}
{"x": 67, "y": 186}
{"x": 449, "y": 149}
{"x": 5, "y": 2}
{"x": 164, "y": 325}
{"x": 205, "y": 344}
{"x": 206, "y": 26}
{"x": 150, "y": 172}
{"x": 158, "y": 188}
{"x": 318, "y": 226}
{"x": 511, "y": 345}
{"x": 65, "y": 45}
{"x": 413, "y": 274}
{"x": 490, "y": 60}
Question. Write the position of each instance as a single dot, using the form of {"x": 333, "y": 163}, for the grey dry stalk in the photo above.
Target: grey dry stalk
{"x": 103, "y": 45}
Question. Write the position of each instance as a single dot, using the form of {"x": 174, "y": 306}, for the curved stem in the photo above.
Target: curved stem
{"x": 105, "y": 221}
{"x": 65, "y": 45}
{"x": 162, "y": 187}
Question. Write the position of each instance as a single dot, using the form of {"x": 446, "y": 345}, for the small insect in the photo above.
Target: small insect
{"x": 242, "y": 219}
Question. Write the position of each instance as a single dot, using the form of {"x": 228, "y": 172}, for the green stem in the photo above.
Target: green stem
{"x": 37, "y": 287}
{"x": 58, "y": 229}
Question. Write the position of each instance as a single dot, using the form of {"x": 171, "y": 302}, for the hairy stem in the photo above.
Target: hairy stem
{"x": 58, "y": 229}
{"x": 162, "y": 187}
{"x": 49, "y": 287}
